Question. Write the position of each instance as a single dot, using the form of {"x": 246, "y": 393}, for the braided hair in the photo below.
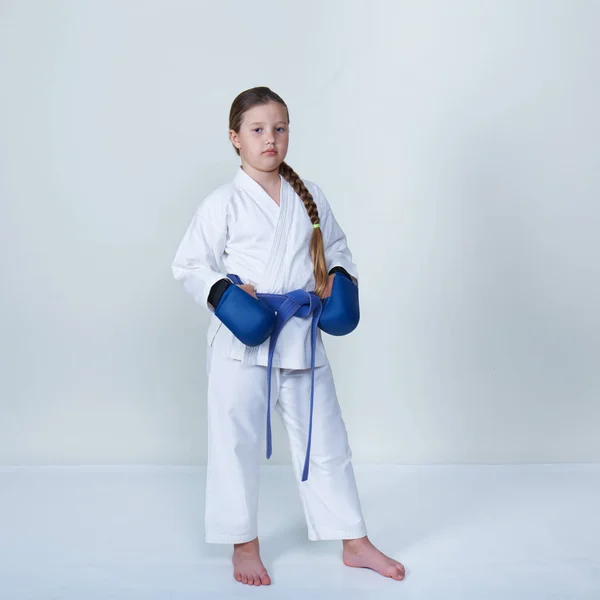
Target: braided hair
{"x": 263, "y": 95}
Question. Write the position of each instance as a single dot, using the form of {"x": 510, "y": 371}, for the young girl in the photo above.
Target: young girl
{"x": 277, "y": 233}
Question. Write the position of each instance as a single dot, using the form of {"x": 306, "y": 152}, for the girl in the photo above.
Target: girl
{"x": 277, "y": 233}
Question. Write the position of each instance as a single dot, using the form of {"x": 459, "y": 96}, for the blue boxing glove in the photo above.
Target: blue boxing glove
{"x": 248, "y": 318}
{"x": 341, "y": 312}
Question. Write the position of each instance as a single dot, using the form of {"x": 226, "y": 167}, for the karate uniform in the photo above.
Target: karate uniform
{"x": 239, "y": 229}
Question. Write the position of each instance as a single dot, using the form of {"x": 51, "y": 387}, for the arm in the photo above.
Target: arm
{"x": 197, "y": 262}
{"x": 337, "y": 254}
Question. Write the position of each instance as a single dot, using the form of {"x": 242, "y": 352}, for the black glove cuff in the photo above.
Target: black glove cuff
{"x": 217, "y": 290}
{"x": 342, "y": 271}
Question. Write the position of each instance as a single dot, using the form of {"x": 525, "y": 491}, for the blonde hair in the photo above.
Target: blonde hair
{"x": 263, "y": 95}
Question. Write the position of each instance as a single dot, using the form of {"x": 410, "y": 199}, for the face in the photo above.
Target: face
{"x": 263, "y": 128}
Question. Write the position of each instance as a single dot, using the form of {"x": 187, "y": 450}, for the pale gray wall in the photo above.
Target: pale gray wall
{"x": 457, "y": 143}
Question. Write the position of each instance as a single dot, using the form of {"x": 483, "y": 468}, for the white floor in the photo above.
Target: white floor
{"x": 462, "y": 532}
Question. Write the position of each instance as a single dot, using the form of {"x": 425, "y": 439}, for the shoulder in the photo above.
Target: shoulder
{"x": 318, "y": 195}
{"x": 216, "y": 202}
{"x": 312, "y": 187}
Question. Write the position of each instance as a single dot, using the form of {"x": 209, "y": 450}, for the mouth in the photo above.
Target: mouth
{"x": 270, "y": 152}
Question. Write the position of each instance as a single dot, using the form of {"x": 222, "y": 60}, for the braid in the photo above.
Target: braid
{"x": 317, "y": 249}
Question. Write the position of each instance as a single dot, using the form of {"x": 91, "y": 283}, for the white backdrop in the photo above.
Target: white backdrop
{"x": 457, "y": 143}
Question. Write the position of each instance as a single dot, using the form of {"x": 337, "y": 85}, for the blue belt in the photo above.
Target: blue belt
{"x": 300, "y": 304}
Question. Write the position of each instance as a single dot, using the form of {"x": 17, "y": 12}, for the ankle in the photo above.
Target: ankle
{"x": 243, "y": 545}
{"x": 355, "y": 542}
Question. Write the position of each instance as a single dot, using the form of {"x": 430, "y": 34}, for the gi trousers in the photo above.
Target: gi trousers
{"x": 237, "y": 405}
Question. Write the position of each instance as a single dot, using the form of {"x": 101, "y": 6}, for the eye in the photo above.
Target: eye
{"x": 282, "y": 128}
{"x": 257, "y": 128}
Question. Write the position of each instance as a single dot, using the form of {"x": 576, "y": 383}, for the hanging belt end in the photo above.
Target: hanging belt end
{"x": 305, "y": 472}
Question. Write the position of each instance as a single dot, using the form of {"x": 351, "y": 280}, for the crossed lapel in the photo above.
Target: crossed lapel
{"x": 259, "y": 195}
{"x": 280, "y": 217}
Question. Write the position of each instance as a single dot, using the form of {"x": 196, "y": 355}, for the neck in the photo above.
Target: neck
{"x": 266, "y": 179}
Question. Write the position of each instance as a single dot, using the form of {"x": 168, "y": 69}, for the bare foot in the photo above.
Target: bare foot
{"x": 247, "y": 566}
{"x": 361, "y": 553}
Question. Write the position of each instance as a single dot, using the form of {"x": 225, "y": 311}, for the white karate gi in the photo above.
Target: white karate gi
{"x": 239, "y": 229}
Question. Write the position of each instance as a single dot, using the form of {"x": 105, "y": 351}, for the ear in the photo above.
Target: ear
{"x": 235, "y": 140}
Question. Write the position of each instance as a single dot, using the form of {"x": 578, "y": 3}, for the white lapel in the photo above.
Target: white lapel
{"x": 280, "y": 216}
{"x": 258, "y": 194}
{"x": 282, "y": 232}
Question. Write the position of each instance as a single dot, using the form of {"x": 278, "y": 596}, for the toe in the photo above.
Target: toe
{"x": 256, "y": 580}
{"x": 265, "y": 579}
{"x": 392, "y": 571}
{"x": 244, "y": 578}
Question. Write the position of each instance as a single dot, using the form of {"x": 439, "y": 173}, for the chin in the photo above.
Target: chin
{"x": 273, "y": 161}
